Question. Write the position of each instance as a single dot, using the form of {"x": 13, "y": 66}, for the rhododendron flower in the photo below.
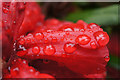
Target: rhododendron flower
{"x": 51, "y": 48}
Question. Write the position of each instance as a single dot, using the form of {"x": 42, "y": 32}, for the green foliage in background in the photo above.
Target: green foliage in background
{"x": 114, "y": 62}
{"x": 106, "y": 16}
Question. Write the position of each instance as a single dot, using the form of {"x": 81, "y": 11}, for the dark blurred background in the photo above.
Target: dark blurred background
{"x": 103, "y": 13}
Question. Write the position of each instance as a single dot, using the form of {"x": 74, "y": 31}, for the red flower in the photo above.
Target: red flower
{"x": 79, "y": 47}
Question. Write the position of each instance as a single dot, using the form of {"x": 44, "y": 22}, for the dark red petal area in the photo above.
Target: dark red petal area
{"x": 6, "y": 46}
{"x": 114, "y": 41}
{"x": 19, "y": 69}
{"x": 78, "y": 61}
{"x": 58, "y": 70}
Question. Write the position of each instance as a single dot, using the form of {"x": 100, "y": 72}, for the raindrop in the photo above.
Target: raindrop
{"x": 69, "y": 47}
{"x": 107, "y": 58}
{"x": 83, "y": 39}
{"x": 36, "y": 49}
{"x": 49, "y": 50}
{"x": 39, "y": 36}
{"x": 5, "y": 10}
{"x": 93, "y": 45}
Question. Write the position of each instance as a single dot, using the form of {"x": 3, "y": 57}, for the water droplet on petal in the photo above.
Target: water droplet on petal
{"x": 49, "y": 31}
{"x": 36, "y": 49}
{"x": 30, "y": 35}
{"x": 107, "y": 58}
{"x": 93, "y": 45}
{"x": 49, "y": 50}
{"x": 22, "y": 41}
{"x": 5, "y": 10}
{"x": 5, "y": 21}
{"x": 14, "y": 22}
{"x": 9, "y": 68}
{"x": 92, "y": 25}
{"x": 101, "y": 37}
{"x": 69, "y": 47}
{"x": 68, "y": 29}
{"x": 82, "y": 30}
{"x": 14, "y": 71}
{"x": 83, "y": 39}
{"x": 31, "y": 69}
{"x": 24, "y": 61}
{"x": 28, "y": 40}
{"x": 64, "y": 55}
{"x": 39, "y": 36}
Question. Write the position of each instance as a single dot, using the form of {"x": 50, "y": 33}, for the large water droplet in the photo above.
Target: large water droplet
{"x": 36, "y": 49}
{"x": 69, "y": 47}
{"x": 83, "y": 39}
{"x": 107, "y": 58}
{"x": 39, "y": 36}
{"x": 101, "y": 37}
{"x": 49, "y": 50}
{"x": 5, "y": 10}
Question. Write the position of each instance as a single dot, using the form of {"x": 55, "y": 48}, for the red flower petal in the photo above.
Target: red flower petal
{"x": 20, "y": 69}
{"x": 13, "y": 14}
{"x": 83, "y": 55}
{"x": 33, "y": 18}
